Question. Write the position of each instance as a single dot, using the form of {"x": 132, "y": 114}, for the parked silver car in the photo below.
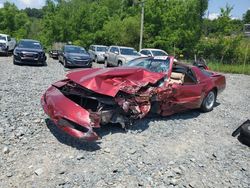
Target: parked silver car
{"x": 97, "y": 52}
{"x": 151, "y": 52}
{"x": 119, "y": 55}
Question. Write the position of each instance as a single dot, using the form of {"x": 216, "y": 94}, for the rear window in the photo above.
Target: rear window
{"x": 129, "y": 51}
{"x": 159, "y": 53}
{"x": 101, "y": 49}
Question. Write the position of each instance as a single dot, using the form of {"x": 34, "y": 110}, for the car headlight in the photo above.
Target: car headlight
{"x": 3, "y": 45}
{"x": 69, "y": 58}
{"x": 16, "y": 52}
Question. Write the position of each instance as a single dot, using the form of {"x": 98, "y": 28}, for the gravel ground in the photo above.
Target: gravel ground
{"x": 191, "y": 149}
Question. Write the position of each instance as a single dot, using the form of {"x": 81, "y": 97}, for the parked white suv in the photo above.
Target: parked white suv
{"x": 119, "y": 55}
{"x": 97, "y": 52}
{"x": 7, "y": 44}
{"x": 153, "y": 52}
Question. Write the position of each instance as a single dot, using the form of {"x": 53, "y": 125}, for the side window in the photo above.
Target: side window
{"x": 112, "y": 49}
{"x": 117, "y": 50}
{"x": 148, "y": 53}
{"x": 9, "y": 39}
{"x": 144, "y": 52}
{"x": 189, "y": 78}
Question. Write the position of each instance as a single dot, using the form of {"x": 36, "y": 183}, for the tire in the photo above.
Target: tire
{"x": 244, "y": 140}
{"x": 7, "y": 52}
{"x": 119, "y": 64}
{"x": 245, "y": 130}
{"x": 106, "y": 63}
{"x": 96, "y": 60}
{"x": 14, "y": 62}
{"x": 209, "y": 101}
{"x": 65, "y": 64}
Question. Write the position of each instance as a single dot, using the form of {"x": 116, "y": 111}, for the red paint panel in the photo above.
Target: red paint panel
{"x": 110, "y": 80}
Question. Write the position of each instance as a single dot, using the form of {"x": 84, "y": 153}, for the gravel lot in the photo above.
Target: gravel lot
{"x": 191, "y": 149}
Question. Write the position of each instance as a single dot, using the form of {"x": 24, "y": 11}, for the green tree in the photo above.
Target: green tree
{"x": 246, "y": 17}
{"x": 14, "y": 21}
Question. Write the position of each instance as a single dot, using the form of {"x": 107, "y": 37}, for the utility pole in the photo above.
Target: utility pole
{"x": 142, "y": 23}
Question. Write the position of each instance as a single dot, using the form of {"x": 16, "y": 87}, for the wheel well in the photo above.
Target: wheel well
{"x": 215, "y": 90}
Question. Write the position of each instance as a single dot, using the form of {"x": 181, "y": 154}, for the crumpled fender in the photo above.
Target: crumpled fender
{"x": 60, "y": 109}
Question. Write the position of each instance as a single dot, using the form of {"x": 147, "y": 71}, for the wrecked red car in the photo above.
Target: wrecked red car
{"x": 89, "y": 98}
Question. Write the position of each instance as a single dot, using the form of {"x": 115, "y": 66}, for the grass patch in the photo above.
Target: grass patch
{"x": 230, "y": 68}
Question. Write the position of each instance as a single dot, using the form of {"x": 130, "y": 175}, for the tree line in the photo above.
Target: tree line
{"x": 177, "y": 26}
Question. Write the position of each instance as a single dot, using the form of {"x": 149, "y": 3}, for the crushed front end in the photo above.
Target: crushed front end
{"x": 78, "y": 110}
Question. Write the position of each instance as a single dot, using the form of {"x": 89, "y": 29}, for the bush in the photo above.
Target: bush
{"x": 230, "y": 49}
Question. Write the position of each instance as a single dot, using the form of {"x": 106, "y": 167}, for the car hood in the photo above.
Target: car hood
{"x": 29, "y": 49}
{"x": 2, "y": 41}
{"x": 109, "y": 81}
{"x": 76, "y": 55}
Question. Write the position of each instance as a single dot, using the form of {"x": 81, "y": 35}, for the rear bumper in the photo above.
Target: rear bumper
{"x": 54, "y": 56}
{"x": 69, "y": 117}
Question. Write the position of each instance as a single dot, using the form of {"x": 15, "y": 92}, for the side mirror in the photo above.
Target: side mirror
{"x": 116, "y": 52}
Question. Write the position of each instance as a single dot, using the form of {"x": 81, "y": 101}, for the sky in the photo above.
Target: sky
{"x": 240, "y": 6}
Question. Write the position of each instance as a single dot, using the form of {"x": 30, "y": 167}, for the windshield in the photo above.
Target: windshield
{"x": 154, "y": 65}
{"x": 2, "y": 38}
{"x": 75, "y": 49}
{"x": 159, "y": 53}
{"x": 101, "y": 49}
{"x": 129, "y": 51}
{"x": 29, "y": 44}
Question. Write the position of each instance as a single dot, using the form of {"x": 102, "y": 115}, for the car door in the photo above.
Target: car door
{"x": 91, "y": 52}
{"x": 10, "y": 43}
{"x": 179, "y": 96}
{"x": 61, "y": 54}
{"x": 116, "y": 56}
{"x": 190, "y": 94}
{"x": 111, "y": 55}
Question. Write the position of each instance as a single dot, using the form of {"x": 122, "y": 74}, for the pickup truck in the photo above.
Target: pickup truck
{"x": 119, "y": 55}
{"x": 7, "y": 44}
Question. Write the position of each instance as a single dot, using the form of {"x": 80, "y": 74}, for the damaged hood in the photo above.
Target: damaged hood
{"x": 111, "y": 80}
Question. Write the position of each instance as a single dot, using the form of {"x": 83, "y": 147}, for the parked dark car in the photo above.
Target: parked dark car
{"x": 74, "y": 56}
{"x": 53, "y": 54}
{"x": 29, "y": 52}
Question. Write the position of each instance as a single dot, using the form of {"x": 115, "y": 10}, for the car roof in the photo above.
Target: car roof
{"x": 4, "y": 35}
{"x": 151, "y": 49}
{"x": 69, "y": 45}
{"x": 122, "y": 47}
{"x": 29, "y": 40}
{"x": 96, "y": 45}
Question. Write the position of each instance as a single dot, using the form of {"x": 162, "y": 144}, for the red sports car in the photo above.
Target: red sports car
{"x": 89, "y": 98}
